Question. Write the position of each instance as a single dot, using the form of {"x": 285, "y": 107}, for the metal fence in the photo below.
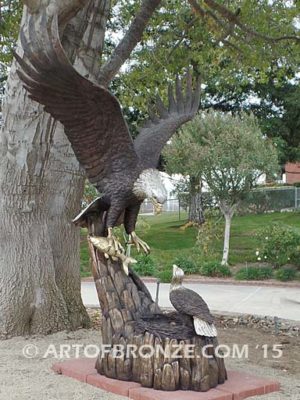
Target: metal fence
{"x": 297, "y": 198}
{"x": 171, "y": 205}
{"x": 273, "y": 199}
{"x": 258, "y": 201}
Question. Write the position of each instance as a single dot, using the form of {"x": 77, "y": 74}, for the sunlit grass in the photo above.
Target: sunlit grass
{"x": 168, "y": 240}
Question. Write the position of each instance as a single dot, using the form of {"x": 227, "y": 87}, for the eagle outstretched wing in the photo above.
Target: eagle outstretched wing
{"x": 90, "y": 114}
{"x": 164, "y": 121}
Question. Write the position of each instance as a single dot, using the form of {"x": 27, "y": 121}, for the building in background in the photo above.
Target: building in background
{"x": 292, "y": 173}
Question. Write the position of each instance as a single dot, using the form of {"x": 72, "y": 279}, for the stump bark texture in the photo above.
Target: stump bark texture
{"x": 142, "y": 343}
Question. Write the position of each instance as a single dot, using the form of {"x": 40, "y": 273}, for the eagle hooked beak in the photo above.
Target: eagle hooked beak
{"x": 157, "y": 206}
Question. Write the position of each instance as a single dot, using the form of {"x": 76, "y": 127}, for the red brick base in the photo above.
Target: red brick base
{"x": 238, "y": 386}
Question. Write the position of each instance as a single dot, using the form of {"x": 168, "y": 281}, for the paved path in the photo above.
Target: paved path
{"x": 258, "y": 300}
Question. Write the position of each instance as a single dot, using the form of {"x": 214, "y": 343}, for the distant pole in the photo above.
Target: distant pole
{"x": 179, "y": 209}
{"x": 157, "y": 292}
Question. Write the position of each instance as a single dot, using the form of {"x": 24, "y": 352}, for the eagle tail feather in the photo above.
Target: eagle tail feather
{"x": 203, "y": 328}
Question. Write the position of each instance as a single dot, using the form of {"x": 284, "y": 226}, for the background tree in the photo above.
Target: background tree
{"x": 279, "y": 115}
{"x": 196, "y": 211}
{"x": 229, "y": 153}
{"x": 235, "y": 63}
{"x": 275, "y": 103}
{"x": 177, "y": 35}
{"x": 41, "y": 182}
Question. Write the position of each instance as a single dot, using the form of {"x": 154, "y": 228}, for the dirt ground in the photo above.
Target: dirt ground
{"x": 261, "y": 359}
{"x": 262, "y": 348}
{"x": 23, "y": 378}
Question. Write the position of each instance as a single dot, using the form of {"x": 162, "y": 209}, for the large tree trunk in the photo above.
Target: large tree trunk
{"x": 41, "y": 185}
{"x": 228, "y": 212}
{"x": 196, "y": 212}
{"x": 134, "y": 329}
{"x": 41, "y": 182}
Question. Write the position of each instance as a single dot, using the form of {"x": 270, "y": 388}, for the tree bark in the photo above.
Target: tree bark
{"x": 228, "y": 212}
{"x": 83, "y": 38}
{"x": 41, "y": 184}
{"x": 196, "y": 212}
{"x": 133, "y": 325}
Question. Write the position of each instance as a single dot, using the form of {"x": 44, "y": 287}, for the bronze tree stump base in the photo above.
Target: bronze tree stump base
{"x": 140, "y": 343}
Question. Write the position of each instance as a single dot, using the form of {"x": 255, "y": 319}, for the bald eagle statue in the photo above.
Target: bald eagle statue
{"x": 188, "y": 302}
{"x": 123, "y": 171}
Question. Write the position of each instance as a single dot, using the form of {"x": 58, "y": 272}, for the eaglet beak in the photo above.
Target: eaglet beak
{"x": 157, "y": 206}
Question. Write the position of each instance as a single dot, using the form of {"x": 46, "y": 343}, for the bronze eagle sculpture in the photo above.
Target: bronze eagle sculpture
{"x": 123, "y": 171}
{"x": 188, "y": 302}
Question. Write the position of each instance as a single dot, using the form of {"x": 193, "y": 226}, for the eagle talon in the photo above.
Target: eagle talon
{"x": 102, "y": 244}
{"x": 139, "y": 243}
{"x": 114, "y": 244}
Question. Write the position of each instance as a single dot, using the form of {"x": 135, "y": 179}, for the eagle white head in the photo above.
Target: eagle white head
{"x": 177, "y": 277}
{"x": 149, "y": 185}
{"x": 177, "y": 272}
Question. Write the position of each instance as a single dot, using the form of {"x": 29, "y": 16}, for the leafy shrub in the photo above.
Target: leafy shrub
{"x": 145, "y": 265}
{"x": 186, "y": 264}
{"x": 254, "y": 273}
{"x": 142, "y": 225}
{"x": 165, "y": 276}
{"x": 286, "y": 274}
{"x": 280, "y": 245}
{"x": 89, "y": 195}
{"x": 267, "y": 198}
{"x": 255, "y": 202}
{"x": 208, "y": 233}
{"x": 214, "y": 268}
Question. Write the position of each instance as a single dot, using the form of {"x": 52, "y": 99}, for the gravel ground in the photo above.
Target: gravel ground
{"x": 31, "y": 379}
{"x": 24, "y": 378}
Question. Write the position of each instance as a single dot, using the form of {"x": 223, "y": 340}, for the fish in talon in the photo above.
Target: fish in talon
{"x": 103, "y": 245}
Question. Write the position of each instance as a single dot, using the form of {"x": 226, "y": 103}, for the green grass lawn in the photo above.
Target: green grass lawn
{"x": 168, "y": 241}
{"x": 85, "y": 269}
